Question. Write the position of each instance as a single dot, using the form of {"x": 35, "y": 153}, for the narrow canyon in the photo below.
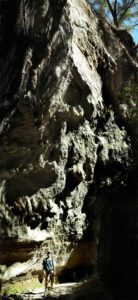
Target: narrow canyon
{"x": 68, "y": 148}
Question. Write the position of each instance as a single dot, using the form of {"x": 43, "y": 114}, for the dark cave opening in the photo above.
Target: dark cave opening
{"x": 76, "y": 274}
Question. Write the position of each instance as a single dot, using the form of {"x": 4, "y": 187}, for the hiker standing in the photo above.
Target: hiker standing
{"x": 48, "y": 267}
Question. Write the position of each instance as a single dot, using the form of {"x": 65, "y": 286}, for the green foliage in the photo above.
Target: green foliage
{"x": 129, "y": 97}
{"x": 20, "y": 287}
{"x": 120, "y": 12}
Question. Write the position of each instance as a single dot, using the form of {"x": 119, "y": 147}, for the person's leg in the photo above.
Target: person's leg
{"x": 52, "y": 280}
{"x": 46, "y": 281}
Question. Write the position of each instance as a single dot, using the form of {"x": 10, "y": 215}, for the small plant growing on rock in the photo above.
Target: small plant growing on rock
{"x": 129, "y": 102}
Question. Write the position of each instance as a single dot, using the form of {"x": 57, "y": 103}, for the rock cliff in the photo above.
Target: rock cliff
{"x": 67, "y": 142}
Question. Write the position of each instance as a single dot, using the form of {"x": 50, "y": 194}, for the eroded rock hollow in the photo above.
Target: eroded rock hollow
{"x": 67, "y": 143}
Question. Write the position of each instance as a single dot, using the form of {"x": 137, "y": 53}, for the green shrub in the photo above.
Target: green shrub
{"x": 22, "y": 286}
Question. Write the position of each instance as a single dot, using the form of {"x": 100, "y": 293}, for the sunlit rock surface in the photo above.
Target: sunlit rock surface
{"x": 65, "y": 147}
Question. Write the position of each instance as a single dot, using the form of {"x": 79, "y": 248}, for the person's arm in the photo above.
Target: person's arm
{"x": 44, "y": 271}
{"x": 53, "y": 266}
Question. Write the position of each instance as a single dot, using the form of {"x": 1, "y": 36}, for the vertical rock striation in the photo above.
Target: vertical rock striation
{"x": 66, "y": 151}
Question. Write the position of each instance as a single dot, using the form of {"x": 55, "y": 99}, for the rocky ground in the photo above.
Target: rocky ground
{"x": 58, "y": 291}
{"x": 92, "y": 289}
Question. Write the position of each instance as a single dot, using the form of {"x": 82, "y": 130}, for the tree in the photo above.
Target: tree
{"x": 121, "y": 12}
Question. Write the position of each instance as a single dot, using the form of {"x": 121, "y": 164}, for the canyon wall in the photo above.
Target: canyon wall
{"x": 68, "y": 143}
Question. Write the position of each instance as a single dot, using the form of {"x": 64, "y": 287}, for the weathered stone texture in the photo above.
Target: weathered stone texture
{"x": 63, "y": 147}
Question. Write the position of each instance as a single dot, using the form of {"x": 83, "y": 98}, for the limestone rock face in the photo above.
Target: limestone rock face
{"x": 64, "y": 151}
